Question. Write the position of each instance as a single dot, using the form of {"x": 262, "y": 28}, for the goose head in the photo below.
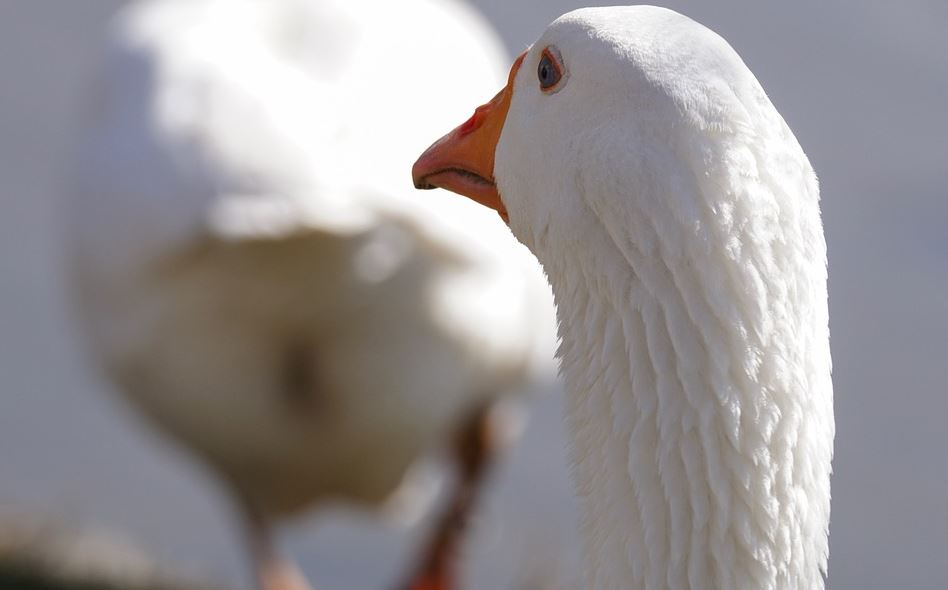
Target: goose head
{"x": 633, "y": 101}
{"x": 678, "y": 221}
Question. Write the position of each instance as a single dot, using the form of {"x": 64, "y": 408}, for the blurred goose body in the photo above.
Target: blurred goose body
{"x": 253, "y": 268}
{"x": 678, "y": 221}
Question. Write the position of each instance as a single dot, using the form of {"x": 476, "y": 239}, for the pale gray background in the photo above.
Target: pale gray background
{"x": 864, "y": 84}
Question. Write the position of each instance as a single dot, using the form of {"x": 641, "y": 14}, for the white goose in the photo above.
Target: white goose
{"x": 254, "y": 269}
{"x": 678, "y": 221}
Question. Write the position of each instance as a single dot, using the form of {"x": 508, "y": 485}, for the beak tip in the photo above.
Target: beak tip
{"x": 419, "y": 177}
{"x": 419, "y": 173}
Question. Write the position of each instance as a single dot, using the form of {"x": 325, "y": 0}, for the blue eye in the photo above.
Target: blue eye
{"x": 549, "y": 72}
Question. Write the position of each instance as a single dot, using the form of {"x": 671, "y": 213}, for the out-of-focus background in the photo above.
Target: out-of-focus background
{"x": 863, "y": 83}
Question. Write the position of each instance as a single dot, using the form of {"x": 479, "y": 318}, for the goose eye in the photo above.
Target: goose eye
{"x": 549, "y": 71}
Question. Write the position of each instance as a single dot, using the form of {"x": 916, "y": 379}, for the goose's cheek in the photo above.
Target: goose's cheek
{"x": 521, "y": 217}
{"x": 519, "y": 166}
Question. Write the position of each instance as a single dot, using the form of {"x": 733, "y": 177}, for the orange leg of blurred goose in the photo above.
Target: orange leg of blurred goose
{"x": 474, "y": 451}
{"x": 273, "y": 571}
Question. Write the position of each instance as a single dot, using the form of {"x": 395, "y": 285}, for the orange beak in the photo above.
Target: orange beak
{"x": 463, "y": 160}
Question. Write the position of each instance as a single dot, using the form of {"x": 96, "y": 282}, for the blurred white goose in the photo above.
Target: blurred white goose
{"x": 255, "y": 270}
{"x": 678, "y": 221}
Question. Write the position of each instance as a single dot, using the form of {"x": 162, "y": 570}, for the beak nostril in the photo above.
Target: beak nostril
{"x": 469, "y": 125}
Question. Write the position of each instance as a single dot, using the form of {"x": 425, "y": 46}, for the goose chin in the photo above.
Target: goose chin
{"x": 466, "y": 183}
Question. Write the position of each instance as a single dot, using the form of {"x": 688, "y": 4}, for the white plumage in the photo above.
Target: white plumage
{"x": 253, "y": 269}
{"x": 678, "y": 221}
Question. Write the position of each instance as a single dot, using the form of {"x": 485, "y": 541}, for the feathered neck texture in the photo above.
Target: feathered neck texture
{"x": 679, "y": 226}
{"x": 701, "y": 433}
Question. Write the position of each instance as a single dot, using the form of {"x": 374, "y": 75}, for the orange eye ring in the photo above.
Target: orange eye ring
{"x": 550, "y": 70}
